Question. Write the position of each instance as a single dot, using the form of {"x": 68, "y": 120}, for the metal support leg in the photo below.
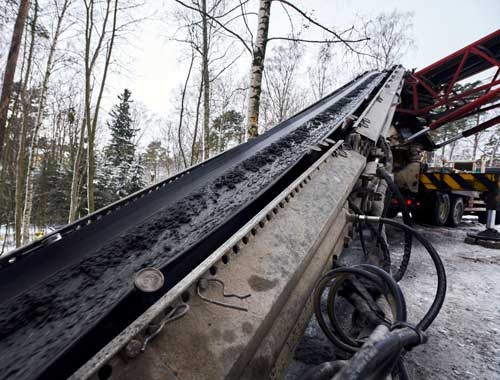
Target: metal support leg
{"x": 490, "y": 221}
{"x": 490, "y": 237}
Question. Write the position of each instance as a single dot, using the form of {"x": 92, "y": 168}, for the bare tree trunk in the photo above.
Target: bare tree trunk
{"x": 10, "y": 68}
{"x": 494, "y": 152}
{"x": 26, "y": 103}
{"x": 452, "y": 150}
{"x": 28, "y": 200}
{"x": 257, "y": 68}
{"x": 194, "y": 157}
{"x": 206, "y": 80}
{"x": 4, "y": 170}
{"x": 181, "y": 115}
{"x": 5, "y": 236}
{"x": 91, "y": 120}
{"x": 76, "y": 179}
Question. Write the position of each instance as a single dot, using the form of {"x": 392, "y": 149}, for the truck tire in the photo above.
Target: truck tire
{"x": 456, "y": 212}
{"x": 441, "y": 209}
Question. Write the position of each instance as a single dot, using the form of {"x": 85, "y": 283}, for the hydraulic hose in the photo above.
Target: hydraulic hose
{"x": 386, "y": 259}
{"x": 334, "y": 279}
{"x": 389, "y": 161}
{"x": 324, "y": 371}
{"x": 378, "y": 357}
{"x": 382, "y": 357}
{"x": 438, "y": 264}
{"x": 406, "y": 218}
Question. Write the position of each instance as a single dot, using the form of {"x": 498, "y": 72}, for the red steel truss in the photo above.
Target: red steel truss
{"x": 429, "y": 93}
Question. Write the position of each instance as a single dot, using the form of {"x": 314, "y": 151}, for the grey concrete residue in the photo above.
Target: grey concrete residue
{"x": 40, "y": 323}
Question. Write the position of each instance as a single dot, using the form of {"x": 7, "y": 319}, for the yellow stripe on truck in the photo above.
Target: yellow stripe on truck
{"x": 451, "y": 182}
{"x": 427, "y": 182}
{"x": 478, "y": 186}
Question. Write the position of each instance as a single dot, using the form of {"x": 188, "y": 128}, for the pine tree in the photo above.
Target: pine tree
{"x": 227, "y": 130}
{"x": 119, "y": 171}
{"x": 121, "y": 148}
{"x": 136, "y": 181}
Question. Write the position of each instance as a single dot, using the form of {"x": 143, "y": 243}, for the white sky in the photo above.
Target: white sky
{"x": 440, "y": 28}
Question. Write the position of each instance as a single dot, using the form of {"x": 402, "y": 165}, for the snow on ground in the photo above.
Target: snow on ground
{"x": 7, "y": 238}
{"x": 464, "y": 340}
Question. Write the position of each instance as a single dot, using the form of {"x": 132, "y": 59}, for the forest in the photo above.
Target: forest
{"x": 74, "y": 137}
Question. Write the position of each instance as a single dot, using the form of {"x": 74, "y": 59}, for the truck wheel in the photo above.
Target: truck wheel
{"x": 441, "y": 209}
{"x": 456, "y": 212}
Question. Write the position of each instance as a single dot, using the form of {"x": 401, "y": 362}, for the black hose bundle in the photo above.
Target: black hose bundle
{"x": 381, "y": 355}
{"x": 398, "y": 275}
{"x": 438, "y": 264}
{"x": 389, "y": 348}
{"x": 384, "y": 173}
{"x": 381, "y": 242}
{"x": 334, "y": 280}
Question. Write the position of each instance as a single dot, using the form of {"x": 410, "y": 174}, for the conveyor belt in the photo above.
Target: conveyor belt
{"x": 61, "y": 302}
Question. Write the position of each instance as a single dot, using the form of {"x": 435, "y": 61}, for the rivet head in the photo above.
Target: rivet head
{"x": 149, "y": 280}
{"x": 132, "y": 349}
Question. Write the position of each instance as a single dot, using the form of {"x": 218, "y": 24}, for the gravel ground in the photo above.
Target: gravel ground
{"x": 464, "y": 340}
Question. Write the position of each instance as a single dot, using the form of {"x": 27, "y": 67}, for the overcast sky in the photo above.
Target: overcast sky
{"x": 440, "y": 28}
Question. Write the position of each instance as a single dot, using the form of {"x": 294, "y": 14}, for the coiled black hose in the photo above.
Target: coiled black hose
{"x": 380, "y": 278}
{"x": 438, "y": 264}
{"x": 388, "y": 286}
{"x": 386, "y": 258}
{"x": 398, "y": 275}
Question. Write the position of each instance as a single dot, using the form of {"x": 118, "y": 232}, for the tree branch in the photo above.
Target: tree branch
{"x": 217, "y": 22}
{"x": 314, "y": 22}
{"x": 310, "y": 41}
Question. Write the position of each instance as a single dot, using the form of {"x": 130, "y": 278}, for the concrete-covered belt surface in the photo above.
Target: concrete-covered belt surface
{"x": 278, "y": 267}
{"x": 61, "y": 302}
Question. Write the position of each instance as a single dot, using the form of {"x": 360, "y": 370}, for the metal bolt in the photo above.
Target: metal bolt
{"x": 132, "y": 349}
{"x": 149, "y": 280}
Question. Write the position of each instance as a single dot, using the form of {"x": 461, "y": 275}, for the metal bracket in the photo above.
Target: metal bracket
{"x": 203, "y": 285}
{"x": 177, "y": 312}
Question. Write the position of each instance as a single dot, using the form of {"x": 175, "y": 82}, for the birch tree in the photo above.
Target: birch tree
{"x": 103, "y": 45}
{"x": 26, "y": 108}
{"x": 257, "y": 47}
{"x": 259, "y": 53}
{"x": 257, "y": 67}
{"x": 28, "y": 201}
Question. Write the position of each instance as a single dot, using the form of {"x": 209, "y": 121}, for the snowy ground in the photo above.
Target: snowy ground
{"x": 7, "y": 237}
{"x": 464, "y": 340}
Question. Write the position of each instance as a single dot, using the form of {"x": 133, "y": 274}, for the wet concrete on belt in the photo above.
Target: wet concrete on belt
{"x": 40, "y": 323}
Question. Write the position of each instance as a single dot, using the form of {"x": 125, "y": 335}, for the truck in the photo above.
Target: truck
{"x": 443, "y": 194}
